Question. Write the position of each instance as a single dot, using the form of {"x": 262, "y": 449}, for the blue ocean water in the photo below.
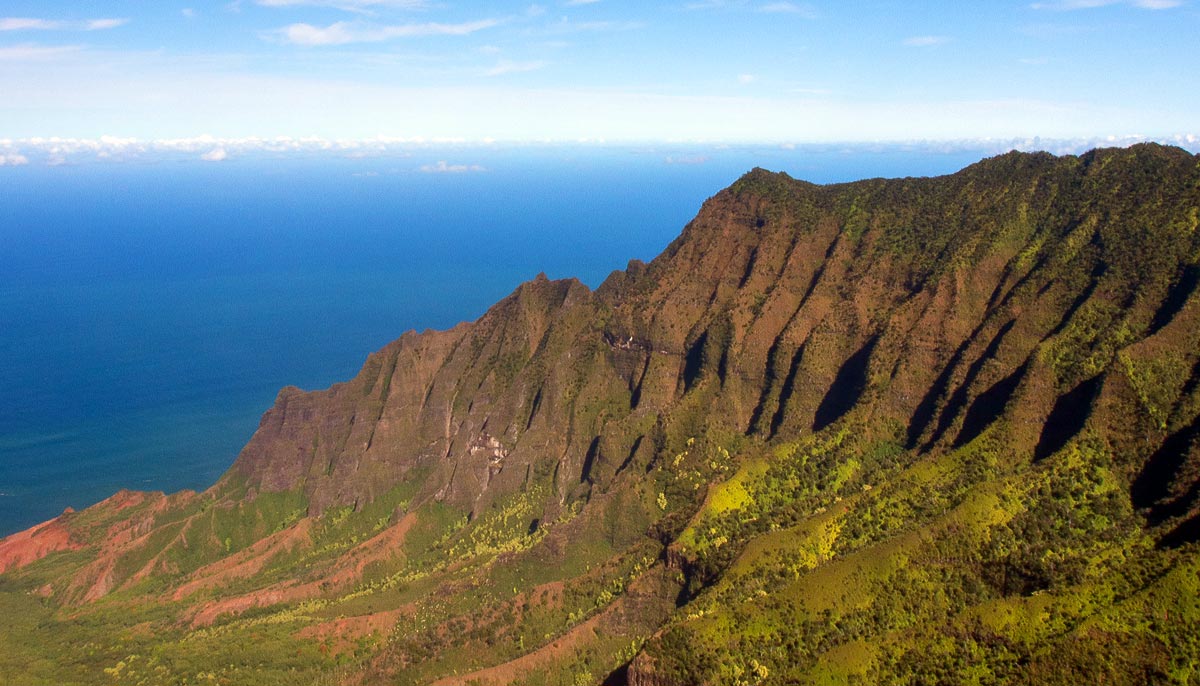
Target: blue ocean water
{"x": 150, "y": 310}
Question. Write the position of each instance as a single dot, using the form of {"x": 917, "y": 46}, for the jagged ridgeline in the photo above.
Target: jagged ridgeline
{"x": 894, "y": 431}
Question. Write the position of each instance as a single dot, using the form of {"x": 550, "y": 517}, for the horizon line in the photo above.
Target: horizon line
{"x": 58, "y": 150}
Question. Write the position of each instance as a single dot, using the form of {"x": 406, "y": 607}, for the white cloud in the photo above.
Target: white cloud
{"x": 509, "y": 67}
{"x": 686, "y": 159}
{"x": 307, "y": 34}
{"x": 1067, "y": 5}
{"x": 803, "y": 10}
{"x": 925, "y": 41}
{"x": 27, "y": 24}
{"x": 714, "y": 4}
{"x": 443, "y": 168}
{"x": 342, "y": 33}
{"x": 102, "y": 24}
{"x": 565, "y": 25}
{"x": 349, "y": 5}
{"x": 36, "y": 24}
{"x": 746, "y": 78}
{"x": 28, "y": 52}
{"x": 110, "y": 150}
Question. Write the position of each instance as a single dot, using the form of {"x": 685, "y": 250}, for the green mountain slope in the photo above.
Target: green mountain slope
{"x": 895, "y": 431}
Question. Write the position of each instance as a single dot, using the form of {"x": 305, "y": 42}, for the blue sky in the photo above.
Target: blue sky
{"x": 692, "y": 70}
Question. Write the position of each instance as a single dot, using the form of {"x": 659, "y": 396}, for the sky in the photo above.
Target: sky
{"x": 767, "y": 71}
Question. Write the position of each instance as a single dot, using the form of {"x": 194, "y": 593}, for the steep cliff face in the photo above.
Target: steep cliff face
{"x": 978, "y": 391}
{"x": 469, "y": 415}
{"x": 991, "y": 399}
{"x": 451, "y": 406}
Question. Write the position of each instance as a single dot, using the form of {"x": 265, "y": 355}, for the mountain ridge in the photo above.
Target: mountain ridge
{"x": 802, "y": 380}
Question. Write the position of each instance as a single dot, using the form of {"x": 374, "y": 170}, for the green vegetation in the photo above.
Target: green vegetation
{"x": 918, "y": 431}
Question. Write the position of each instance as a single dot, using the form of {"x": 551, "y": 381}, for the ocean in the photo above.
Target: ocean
{"x": 151, "y": 309}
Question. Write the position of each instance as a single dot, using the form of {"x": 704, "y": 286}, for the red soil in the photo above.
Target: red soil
{"x": 349, "y": 568}
{"x": 531, "y": 663}
{"x": 248, "y": 562}
{"x": 33, "y": 544}
{"x": 345, "y": 631}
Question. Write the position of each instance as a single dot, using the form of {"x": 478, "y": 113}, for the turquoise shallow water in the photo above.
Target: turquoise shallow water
{"x": 150, "y": 311}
